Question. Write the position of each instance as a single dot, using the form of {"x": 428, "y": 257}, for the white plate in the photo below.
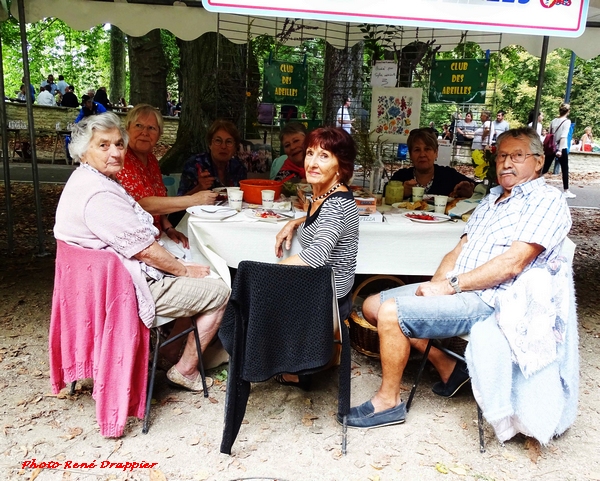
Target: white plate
{"x": 430, "y": 208}
{"x": 266, "y": 215}
{"x": 212, "y": 212}
{"x": 438, "y": 218}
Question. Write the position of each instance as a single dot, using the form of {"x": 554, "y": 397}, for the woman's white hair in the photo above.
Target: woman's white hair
{"x": 82, "y": 133}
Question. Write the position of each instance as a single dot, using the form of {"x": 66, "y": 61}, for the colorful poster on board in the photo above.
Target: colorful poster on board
{"x": 394, "y": 113}
{"x": 558, "y": 18}
{"x": 462, "y": 81}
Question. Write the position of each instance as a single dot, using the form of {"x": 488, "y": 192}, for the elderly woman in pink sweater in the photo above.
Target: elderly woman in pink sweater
{"x": 95, "y": 212}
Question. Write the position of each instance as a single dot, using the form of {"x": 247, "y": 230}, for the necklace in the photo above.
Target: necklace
{"x": 427, "y": 186}
{"x": 330, "y": 191}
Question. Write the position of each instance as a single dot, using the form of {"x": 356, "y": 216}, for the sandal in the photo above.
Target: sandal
{"x": 304, "y": 381}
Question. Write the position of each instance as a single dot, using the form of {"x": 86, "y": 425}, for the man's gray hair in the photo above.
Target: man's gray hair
{"x": 535, "y": 144}
{"x": 82, "y": 132}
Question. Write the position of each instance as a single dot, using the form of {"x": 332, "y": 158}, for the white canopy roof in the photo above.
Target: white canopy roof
{"x": 190, "y": 22}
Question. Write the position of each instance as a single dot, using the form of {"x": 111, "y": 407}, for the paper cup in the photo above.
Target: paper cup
{"x": 268, "y": 197}
{"x": 439, "y": 203}
{"x": 231, "y": 189}
{"x": 235, "y": 199}
{"x": 417, "y": 193}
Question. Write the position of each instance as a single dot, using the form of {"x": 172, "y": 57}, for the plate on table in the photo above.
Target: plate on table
{"x": 426, "y": 218}
{"x": 266, "y": 215}
{"x": 414, "y": 206}
{"x": 212, "y": 212}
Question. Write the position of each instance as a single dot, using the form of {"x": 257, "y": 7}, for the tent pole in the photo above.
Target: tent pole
{"x": 538, "y": 94}
{"x": 570, "y": 77}
{"x": 34, "y": 166}
{"x": 3, "y": 121}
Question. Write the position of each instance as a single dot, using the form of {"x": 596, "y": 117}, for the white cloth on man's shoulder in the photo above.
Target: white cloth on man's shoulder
{"x": 532, "y": 314}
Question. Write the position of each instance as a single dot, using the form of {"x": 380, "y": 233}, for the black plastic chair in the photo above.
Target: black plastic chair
{"x": 437, "y": 343}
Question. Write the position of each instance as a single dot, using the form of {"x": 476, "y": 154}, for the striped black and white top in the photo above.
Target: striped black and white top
{"x": 329, "y": 236}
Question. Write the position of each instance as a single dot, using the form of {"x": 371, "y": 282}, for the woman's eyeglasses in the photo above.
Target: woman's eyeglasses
{"x": 150, "y": 128}
{"x": 219, "y": 141}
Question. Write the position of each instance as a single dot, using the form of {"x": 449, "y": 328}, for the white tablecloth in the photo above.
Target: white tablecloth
{"x": 399, "y": 248}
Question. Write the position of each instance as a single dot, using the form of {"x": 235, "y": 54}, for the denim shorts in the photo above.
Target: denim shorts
{"x": 436, "y": 317}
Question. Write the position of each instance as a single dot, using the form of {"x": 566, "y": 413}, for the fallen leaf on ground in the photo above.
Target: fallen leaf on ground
{"x": 213, "y": 400}
{"x": 308, "y": 419}
{"x": 441, "y": 468}
{"x": 36, "y": 472}
{"x": 157, "y": 475}
{"x": 458, "y": 470}
{"x": 73, "y": 433}
{"x": 534, "y": 450}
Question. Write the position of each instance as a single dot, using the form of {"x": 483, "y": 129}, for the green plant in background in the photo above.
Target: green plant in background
{"x": 484, "y": 162}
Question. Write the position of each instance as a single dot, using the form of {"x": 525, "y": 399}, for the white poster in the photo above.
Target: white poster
{"x": 558, "y": 18}
{"x": 384, "y": 74}
{"x": 394, "y": 113}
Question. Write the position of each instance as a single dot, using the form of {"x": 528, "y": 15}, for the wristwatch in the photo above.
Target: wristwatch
{"x": 454, "y": 283}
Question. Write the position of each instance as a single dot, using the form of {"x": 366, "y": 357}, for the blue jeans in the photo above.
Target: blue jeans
{"x": 436, "y": 317}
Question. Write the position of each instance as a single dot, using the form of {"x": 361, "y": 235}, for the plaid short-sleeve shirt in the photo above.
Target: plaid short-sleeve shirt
{"x": 535, "y": 213}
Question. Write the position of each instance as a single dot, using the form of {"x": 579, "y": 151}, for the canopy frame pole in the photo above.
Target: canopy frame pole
{"x": 538, "y": 93}
{"x": 34, "y": 166}
{"x": 570, "y": 77}
{"x": 6, "y": 166}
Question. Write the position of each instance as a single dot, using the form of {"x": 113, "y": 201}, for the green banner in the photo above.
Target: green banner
{"x": 285, "y": 83}
{"x": 462, "y": 81}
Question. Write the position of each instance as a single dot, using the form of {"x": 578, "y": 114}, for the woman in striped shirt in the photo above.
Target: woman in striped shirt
{"x": 329, "y": 232}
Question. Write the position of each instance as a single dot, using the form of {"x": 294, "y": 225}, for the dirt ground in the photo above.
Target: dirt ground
{"x": 287, "y": 434}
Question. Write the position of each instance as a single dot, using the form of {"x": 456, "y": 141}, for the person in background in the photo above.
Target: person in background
{"x": 343, "y": 119}
{"x": 141, "y": 176}
{"x": 91, "y": 93}
{"x": 89, "y": 107}
{"x": 576, "y": 145}
{"x": 329, "y": 232}
{"x": 481, "y": 136}
{"x": 95, "y": 212}
{"x": 45, "y": 97}
{"x": 560, "y": 127}
{"x": 62, "y": 85}
{"x": 22, "y": 94}
{"x": 539, "y": 127}
{"x": 290, "y": 166}
{"x": 447, "y": 133}
{"x": 220, "y": 166}
{"x": 436, "y": 179}
{"x": 69, "y": 99}
{"x": 435, "y": 131}
{"x": 498, "y": 126}
{"x": 587, "y": 140}
{"x": 101, "y": 98}
{"x": 31, "y": 89}
{"x": 53, "y": 87}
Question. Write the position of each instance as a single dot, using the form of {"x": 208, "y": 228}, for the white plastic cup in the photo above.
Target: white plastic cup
{"x": 417, "y": 193}
{"x": 235, "y": 199}
{"x": 231, "y": 189}
{"x": 439, "y": 203}
{"x": 268, "y": 197}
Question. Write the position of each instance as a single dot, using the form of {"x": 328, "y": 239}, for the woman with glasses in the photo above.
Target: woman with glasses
{"x": 141, "y": 176}
{"x": 219, "y": 167}
{"x": 435, "y": 179}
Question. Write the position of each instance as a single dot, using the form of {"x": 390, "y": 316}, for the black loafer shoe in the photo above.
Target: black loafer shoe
{"x": 458, "y": 378}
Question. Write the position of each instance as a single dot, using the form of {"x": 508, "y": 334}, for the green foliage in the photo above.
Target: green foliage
{"x": 171, "y": 49}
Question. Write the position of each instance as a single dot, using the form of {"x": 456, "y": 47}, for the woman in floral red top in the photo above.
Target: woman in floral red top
{"x": 141, "y": 176}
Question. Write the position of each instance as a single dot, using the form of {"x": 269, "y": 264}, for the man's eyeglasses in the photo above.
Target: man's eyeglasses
{"x": 150, "y": 128}
{"x": 219, "y": 141}
{"x": 516, "y": 157}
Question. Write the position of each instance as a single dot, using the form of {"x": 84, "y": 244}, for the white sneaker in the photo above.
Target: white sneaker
{"x": 568, "y": 194}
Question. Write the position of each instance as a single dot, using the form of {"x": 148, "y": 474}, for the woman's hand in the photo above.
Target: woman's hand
{"x": 177, "y": 237}
{"x": 205, "y": 180}
{"x": 462, "y": 189}
{"x": 196, "y": 271}
{"x": 204, "y": 197}
{"x": 408, "y": 185}
{"x": 285, "y": 236}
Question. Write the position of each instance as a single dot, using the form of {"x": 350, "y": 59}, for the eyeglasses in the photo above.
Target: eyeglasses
{"x": 516, "y": 157}
{"x": 150, "y": 128}
{"x": 219, "y": 141}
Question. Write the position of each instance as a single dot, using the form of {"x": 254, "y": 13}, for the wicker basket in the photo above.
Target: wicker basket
{"x": 363, "y": 336}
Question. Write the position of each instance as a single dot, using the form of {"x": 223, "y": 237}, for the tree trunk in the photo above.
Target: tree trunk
{"x": 343, "y": 78}
{"x": 117, "y": 64}
{"x": 148, "y": 71}
{"x": 213, "y": 86}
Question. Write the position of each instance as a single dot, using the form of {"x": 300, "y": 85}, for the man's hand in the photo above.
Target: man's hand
{"x": 194, "y": 270}
{"x": 435, "y": 288}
